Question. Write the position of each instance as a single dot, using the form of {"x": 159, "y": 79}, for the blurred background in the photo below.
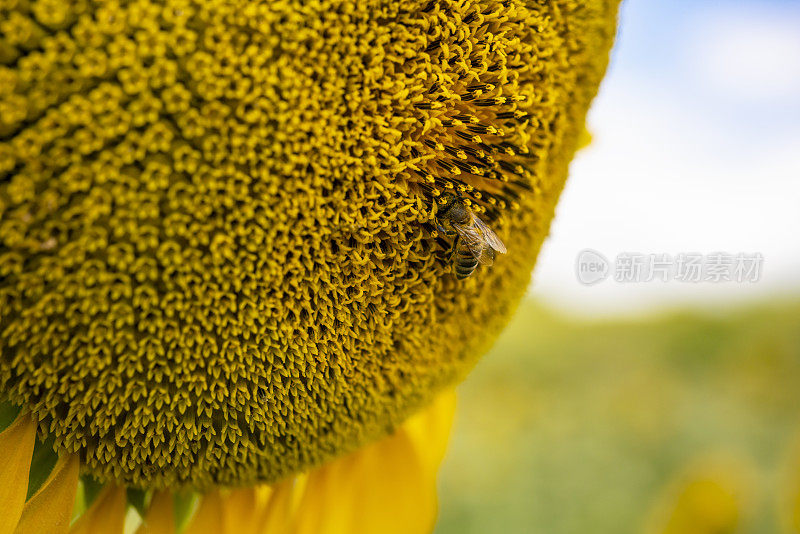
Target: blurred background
{"x": 661, "y": 406}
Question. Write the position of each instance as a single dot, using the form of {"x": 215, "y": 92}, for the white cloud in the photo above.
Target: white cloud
{"x": 751, "y": 54}
{"x": 664, "y": 177}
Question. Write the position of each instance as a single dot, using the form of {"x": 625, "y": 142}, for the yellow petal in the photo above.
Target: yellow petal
{"x": 208, "y": 518}
{"x": 712, "y": 495}
{"x": 240, "y": 515}
{"x": 387, "y": 487}
{"x": 319, "y": 510}
{"x": 430, "y": 429}
{"x": 282, "y": 503}
{"x": 16, "y": 449}
{"x": 160, "y": 518}
{"x": 50, "y": 508}
{"x": 106, "y": 515}
{"x": 584, "y": 139}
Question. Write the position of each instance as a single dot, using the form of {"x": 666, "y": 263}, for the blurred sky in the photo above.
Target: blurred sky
{"x": 696, "y": 149}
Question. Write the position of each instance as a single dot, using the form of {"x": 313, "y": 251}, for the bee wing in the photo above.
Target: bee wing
{"x": 488, "y": 235}
{"x": 473, "y": 239}
{"x": 486, "y": 256}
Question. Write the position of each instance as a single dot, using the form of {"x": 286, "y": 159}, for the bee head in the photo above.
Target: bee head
{"x": 446, "y": 202}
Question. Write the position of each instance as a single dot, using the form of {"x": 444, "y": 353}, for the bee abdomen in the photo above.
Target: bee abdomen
{"x": 465, "y": 264}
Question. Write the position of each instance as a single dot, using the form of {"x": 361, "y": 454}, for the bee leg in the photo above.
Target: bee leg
{"x": 453, "y": 249}
{"x": 445, "y": 231}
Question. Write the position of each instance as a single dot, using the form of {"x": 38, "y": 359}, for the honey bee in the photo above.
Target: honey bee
{"x": 475, "y": 243}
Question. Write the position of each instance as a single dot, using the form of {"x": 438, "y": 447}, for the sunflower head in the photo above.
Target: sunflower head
{"x": 219, "y": 254}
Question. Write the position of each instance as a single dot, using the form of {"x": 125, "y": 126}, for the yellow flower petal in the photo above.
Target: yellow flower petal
{"x": 585, "y": 138}
{"x": 387, "y": 487}
{"x": 240, "y": 513}
{"x": 281, "y": 506}
{"x": 208, "y": 519}
{"x": 160, "y": 518}
{"x": 789, "y": 494}
{"x": 712, "y": 495}
{"x": 16, "y": 449}
{"x": 105, "y": 516}
{"x": 430, "y": 429}
{"x": 50, "y": 509}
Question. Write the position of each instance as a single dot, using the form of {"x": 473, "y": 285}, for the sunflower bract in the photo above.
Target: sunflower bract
{"x": 218, "y": 253}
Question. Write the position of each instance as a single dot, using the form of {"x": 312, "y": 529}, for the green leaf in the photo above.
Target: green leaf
{"x": 185, "y": 504}
{"x": 91, "y": 489}
{"x": 8, "y": 413}
{"x": 42, "y": 464}
{"x": 139, "y": 499}
{"x": 80, "y": 502}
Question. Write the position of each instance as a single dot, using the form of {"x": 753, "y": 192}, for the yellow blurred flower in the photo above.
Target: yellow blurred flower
{"x": 712, "y": 495}
{"x": 219, "y": 257}
{"x": 789, "y": 491}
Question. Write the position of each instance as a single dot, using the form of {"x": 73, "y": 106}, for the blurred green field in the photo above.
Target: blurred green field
{"x": 688, "y": 422}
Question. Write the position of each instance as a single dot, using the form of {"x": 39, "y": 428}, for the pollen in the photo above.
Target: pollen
{"x": 218, "y": 251}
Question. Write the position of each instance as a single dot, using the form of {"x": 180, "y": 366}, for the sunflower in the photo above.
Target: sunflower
{"x": 224, "y": 294}
{"x": 712, "y": 494}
